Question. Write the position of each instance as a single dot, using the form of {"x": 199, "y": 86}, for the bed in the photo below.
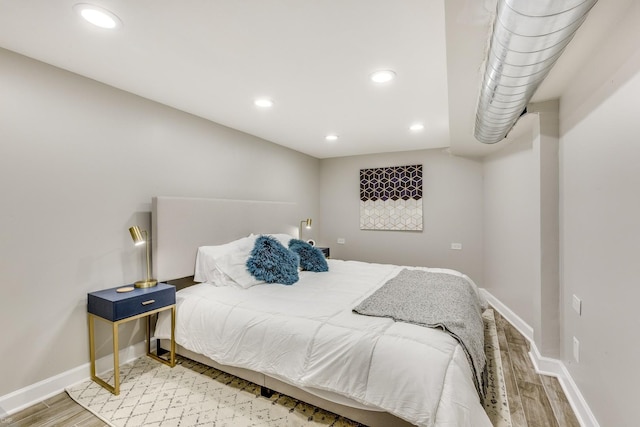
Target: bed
{"x": 304, "y": 339}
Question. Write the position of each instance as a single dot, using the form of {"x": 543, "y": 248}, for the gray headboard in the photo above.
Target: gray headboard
{"x": 180, "y": 225}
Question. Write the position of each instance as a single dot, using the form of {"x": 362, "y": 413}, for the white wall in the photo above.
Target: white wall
{"x": 452, "y": 212}
{"x": 521, "y": 226}
{"x": 600, "y": 224}
{"x": 509, "y": 227}
{"x": 79, "y": 164}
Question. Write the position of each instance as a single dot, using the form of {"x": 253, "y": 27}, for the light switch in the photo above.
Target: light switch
{"x": 577, "y": 305}
{"x": 456, "y": 246}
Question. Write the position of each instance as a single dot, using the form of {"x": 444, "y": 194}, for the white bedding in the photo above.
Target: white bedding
{"x": 307, "y": 335}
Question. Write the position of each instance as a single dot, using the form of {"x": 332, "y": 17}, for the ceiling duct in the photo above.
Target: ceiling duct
{"x": 528, "y": 37}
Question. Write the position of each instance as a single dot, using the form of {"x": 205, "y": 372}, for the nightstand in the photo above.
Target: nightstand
{"x": 325, "y": 251}
{"x": 116, "y": 307}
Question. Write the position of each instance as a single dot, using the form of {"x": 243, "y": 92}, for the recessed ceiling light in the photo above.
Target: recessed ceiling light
{"x": 331, "y": 137}
{"x": 263, "y": 102}
{"x": 416, "y": 127}
{"x": 383, "y": 76}
{"x": 98, "y": 16}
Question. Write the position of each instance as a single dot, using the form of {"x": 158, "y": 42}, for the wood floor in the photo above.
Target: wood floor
{"x": 534, "y": 400}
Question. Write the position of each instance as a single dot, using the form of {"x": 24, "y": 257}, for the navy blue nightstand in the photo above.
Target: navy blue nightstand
{"x": 119, "y": 307}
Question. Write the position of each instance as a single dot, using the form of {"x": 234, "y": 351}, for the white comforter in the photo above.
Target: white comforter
{"x": 307, "y": 335}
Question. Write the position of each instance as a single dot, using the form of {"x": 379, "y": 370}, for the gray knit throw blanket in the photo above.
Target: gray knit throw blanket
{"x": 435, "y": 300}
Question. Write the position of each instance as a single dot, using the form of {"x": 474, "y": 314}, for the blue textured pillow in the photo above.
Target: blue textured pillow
{"x": 311, "y": 258}
{"x": 272, "y": 262}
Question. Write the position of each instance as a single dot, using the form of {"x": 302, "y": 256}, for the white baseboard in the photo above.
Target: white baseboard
{"x": 554, "y": 367}
{"x": 514, "y": 319}
{"x": 30, "y": 395}
{"x": 547, "y": 365}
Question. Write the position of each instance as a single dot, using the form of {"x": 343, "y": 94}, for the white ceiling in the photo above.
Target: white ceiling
{"x": 211, "y": 58}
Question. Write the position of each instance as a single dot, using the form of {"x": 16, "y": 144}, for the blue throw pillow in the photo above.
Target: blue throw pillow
{"x": 311, "y": 258}
{"x": 272, "y": 262}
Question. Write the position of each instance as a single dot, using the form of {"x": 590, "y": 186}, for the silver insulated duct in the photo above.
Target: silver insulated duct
{"x": 528, "y": 37}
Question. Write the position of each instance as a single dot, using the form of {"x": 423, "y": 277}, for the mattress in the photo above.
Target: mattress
{"x": 307, "y": 335}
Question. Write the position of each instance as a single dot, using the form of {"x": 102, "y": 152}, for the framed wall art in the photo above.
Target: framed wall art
{"x": 391, "y": 198}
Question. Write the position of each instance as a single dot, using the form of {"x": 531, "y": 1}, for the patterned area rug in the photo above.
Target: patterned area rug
{"x": 192, "y": 394}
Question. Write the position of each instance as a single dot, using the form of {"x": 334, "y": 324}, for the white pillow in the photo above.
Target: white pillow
{"x": 206, "y": 266}
{"x": 234, "y": 265}
{"x": 218, "y": 278}
{"x": 226, "y": 265}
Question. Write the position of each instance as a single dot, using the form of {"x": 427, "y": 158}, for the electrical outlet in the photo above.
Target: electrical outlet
{"x": 456, "y": 246}
{"x": 576, "y": 350}
{"x": 342, "y": 240}
{"x": 577, "y": 305}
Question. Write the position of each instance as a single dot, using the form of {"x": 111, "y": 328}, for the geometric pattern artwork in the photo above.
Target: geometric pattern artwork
{"x": 391, "y": 198}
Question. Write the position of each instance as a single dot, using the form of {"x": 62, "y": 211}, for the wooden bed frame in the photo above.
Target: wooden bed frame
{"x": 181, "y": 225}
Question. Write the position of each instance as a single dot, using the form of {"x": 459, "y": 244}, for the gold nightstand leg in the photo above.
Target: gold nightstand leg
{"x": 172, "y": 354}
{"x": 92, "y": 347}
{"x": 92, "y": 357}
{"x": 116, "y": 359}
{"x": 148, "y": 336}
{"x": 173, "y": 336}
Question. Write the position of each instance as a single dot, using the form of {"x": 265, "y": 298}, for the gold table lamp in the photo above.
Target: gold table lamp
{"x": 140, "y": 237}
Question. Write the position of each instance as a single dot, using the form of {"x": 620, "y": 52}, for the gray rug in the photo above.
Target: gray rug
{"x": 192, "y": 394}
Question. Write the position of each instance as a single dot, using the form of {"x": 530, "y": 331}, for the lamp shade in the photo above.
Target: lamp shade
{"x": 136, "y": 235}
{"x": 306, "y": 223}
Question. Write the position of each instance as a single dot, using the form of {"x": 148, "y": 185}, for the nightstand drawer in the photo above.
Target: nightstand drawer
{"x": 114, "y": 306}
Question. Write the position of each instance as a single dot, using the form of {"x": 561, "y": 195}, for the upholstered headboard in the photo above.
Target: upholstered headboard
{"x": 180, "y": 225}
